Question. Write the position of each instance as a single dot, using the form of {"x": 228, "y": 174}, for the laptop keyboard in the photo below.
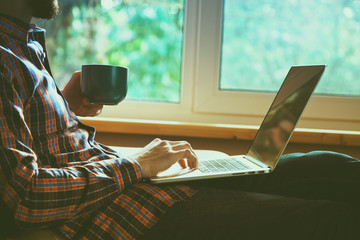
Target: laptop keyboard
{"x": 221, "y": 165}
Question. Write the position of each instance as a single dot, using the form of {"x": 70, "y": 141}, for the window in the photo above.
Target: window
{"x": 251, "y": 67}
{"x": 145, "y": 36}
{"x": 215, "y": 61}
{"x": 261, "y": 38}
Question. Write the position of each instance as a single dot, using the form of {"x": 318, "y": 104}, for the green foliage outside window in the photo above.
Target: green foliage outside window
{"x": 143, "y": 35}
{"x": 263, "y": 38}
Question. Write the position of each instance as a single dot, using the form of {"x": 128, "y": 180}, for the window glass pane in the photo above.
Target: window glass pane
{"x": 263, "y": 38}
{"x": 145, "y": 36}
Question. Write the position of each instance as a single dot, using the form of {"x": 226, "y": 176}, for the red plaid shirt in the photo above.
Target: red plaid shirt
{"x": 52, "y": 172}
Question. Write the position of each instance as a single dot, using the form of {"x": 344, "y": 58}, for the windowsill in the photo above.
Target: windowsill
{"x": 220, "y": 131}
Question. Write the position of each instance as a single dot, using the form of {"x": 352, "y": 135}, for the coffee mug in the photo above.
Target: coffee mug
{"x": 104, "y": 84}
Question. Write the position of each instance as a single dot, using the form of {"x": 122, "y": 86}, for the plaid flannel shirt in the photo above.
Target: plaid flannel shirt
{"x": 52, "y": 171}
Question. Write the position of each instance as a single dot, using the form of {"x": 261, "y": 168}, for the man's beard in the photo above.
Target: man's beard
{"x": 45, "y": 9}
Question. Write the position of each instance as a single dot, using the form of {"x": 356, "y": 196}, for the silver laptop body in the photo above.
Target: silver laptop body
{"x": 271, "y": 138}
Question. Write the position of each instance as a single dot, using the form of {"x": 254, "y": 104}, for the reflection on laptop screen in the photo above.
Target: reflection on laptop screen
{"x": 284, "y": 113}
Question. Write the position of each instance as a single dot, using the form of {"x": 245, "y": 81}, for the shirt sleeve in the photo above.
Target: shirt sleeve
{"x": 40, "y": 195}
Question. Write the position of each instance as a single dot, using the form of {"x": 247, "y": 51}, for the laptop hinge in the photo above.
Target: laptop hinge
{"x": 257, "y": 162}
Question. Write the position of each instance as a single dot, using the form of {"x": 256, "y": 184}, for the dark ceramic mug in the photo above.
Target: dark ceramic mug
{"x": 104, "y": 84}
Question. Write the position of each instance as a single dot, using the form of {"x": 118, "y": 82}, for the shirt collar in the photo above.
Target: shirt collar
{"x": 16, "y": 28}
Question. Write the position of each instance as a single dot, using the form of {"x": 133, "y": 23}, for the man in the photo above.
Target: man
{"x": 54, "y": 175}
{"x": 52, "y": 169}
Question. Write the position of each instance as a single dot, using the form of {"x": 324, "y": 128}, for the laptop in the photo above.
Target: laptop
{"x": 271, "y": 139}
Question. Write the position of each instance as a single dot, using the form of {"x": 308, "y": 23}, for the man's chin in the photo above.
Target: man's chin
{"x": 45, "y": 9}
{"x": 47, "y": 16}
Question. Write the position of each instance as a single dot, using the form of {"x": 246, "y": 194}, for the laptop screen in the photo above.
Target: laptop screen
{"x": 284, "y": 113}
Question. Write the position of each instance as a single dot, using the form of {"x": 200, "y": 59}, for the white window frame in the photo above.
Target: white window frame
{"x": 202, "y": 101}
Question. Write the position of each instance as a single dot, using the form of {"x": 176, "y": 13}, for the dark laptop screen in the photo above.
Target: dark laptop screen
{"x": 284, "y": 113}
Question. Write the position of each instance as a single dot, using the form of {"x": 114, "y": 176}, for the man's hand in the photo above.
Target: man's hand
{"x": 77, "y": 101}
{"x": 159, "y": 155}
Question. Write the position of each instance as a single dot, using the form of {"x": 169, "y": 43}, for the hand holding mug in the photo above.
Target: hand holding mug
{"x": 77, "y": 101}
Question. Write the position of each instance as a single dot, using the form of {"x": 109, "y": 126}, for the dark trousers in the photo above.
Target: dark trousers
{"x": 308, "y": 196}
